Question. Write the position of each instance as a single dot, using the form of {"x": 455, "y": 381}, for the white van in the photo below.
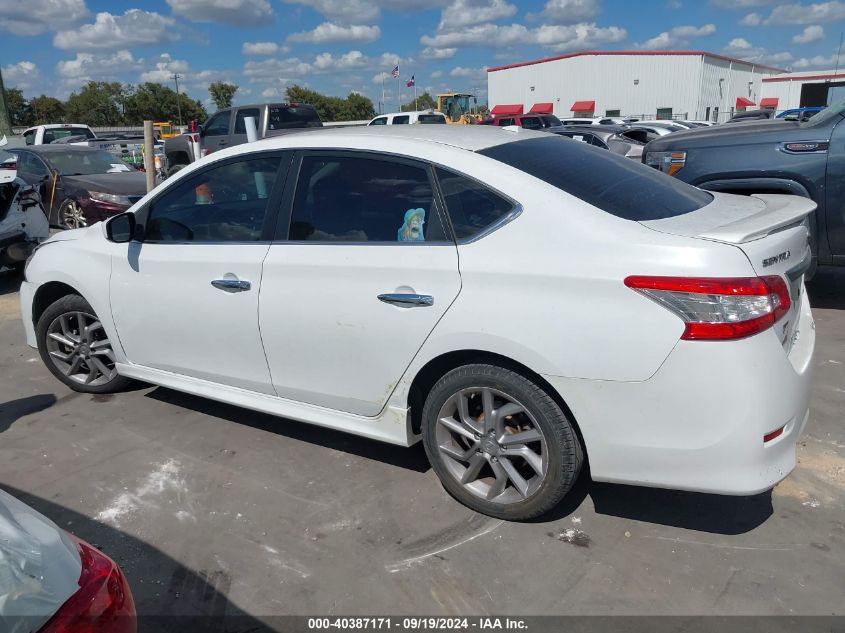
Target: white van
{"x": 409, "y": 118}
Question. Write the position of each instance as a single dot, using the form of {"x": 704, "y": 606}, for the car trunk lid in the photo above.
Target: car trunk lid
{"x": 771, "y": 229}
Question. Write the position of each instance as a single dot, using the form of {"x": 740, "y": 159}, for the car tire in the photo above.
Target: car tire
{"x": 469, "y": 425}
{"x": 70, "y": 215}
{"x": 75, "y": 348}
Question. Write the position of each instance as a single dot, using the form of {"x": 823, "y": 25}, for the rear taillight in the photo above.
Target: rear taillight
{"x": 103, "y": 603}
{"x": 717, "y": 308}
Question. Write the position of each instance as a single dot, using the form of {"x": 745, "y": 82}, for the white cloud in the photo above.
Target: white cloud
{"x": 269, "y": 93}
{"x": 381, "y": 77}
{"x": 740, "y": 4}
{"x": 739, "y": 44}
{"x": 33, "y": 17}
{"x": 24, "y": 75}
{"x": 329, "y": 32}
{"x": 133, "y": 28}
{"x": 437, "y": 74}
{"x": 569, "y": 11}
{"x": 807, "y": 13}
{"x": 88, "y": 66}
{"x": 163, "y": 70}
{"x": 260, "y": 48}
{"x": 677, "y": 36}
{"x": 752, "y": 19}
{"x": 812, "y": 33}
{"x": 343, "y": 11}
{"x": 819, "y": 61}
{"x": 347, "y": 61}
{"x": 438, "y": 53}
{"x": 460, "y": 71}
{"x": 237, "y": 12}
{"x": 557, "y": 38}
{"x": 277, "y": 69}
{"x": 467, "y": 12}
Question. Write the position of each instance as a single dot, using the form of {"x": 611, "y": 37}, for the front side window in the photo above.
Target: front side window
{"x": 240, "y": 119}
{"x": 504, "y": 122}
{"x": 379, "y": 121}
{"x": 227, "y": 203}
{"x": 471, "y": 206}
{"x": 218, "y": 125}
{"x": 532, "y": 123}
{"x": 355, "y": 199}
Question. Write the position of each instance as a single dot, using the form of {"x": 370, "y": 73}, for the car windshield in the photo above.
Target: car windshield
{"x": 613, "y": 183}
{"x": 76, "y": 163}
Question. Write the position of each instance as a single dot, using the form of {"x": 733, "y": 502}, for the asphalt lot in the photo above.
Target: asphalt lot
{"x": 215, "y": 510}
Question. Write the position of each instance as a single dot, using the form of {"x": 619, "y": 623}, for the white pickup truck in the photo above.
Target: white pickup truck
{"x": 44, "y": 134}
{"x": 126, "y": 146}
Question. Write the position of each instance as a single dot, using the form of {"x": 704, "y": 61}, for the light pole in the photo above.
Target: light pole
{"x": 176, "y": 77}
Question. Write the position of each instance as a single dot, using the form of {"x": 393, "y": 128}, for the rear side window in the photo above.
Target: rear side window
{"x": 401, "y": 120}
{"x": 504, "y": 122}
{"x": 472, "y": 207}
{"x": 431, "y": 118}
{"x": 354, "y": 199}
{"x": 615, "y": 184}
{"x": 286, "y": 117}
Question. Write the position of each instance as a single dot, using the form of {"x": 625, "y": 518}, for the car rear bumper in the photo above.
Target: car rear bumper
{"x": 698, "y": 423}
{"x": 27, "y": 292}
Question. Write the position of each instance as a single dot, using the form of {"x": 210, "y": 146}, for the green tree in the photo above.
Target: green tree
{"x": 98, "y": 103}
{"x": 353, "y": 108}
{"x": 154, "y": 102}
{"x": 44, "y": 109}
{"x": 222, "y": 94}
{"x": 424, "y": 102}
{"x": 16, "y": 104}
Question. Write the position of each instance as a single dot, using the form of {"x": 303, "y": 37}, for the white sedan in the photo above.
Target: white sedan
{"x": 519, "y": 301}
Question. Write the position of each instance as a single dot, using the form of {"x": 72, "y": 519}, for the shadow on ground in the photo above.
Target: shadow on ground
{"x": 827, "y": 290}
{"x": 694, "y": 511}
{"x": 12, "y": 410}
{"x": 168, "y": 596}
{"x": 410, "y": 458}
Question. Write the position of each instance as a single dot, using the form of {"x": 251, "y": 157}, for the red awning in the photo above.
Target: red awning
{"x": 742, "y": 102}
{"x": 769, "y": 102}
{"x": 583, "y": 106}
{"x": 542, "y": 108}
{"x": 501, "y": 110}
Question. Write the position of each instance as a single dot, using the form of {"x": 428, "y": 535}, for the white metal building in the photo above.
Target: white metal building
{"x": 803, "y": 90}
{"x": 644, "y": 84}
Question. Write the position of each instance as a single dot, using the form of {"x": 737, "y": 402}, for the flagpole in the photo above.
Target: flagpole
{"x": 382, "y": 104}
{"x": 399, "y": 90}
{"x": 416, "y": 107}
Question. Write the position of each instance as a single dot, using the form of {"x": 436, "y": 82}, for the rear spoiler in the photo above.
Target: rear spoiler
{"x": 779, "y": 211}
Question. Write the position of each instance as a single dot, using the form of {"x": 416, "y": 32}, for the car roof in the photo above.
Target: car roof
{"x": 468, "y": 137}
{"x": 50, "y": 126}
{"x": 591, "y": 129}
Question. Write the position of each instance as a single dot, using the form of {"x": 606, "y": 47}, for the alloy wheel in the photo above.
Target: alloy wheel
{"x": 492, "y": 445}
{"x": 79, "y": 348}
{"x": 72, "y": 216}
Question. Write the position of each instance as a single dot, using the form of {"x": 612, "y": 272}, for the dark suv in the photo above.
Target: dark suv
{"x": 801, "y": 158}
{"x": 228, "y": 127}
{"x": 528, "y": 121}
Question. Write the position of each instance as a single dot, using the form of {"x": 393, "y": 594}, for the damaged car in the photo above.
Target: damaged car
{"x": 23, "y": 224}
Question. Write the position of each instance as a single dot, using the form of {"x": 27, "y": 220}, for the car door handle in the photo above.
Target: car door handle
{"x": 232, "y": 285}
{"x": 407, "y": 300}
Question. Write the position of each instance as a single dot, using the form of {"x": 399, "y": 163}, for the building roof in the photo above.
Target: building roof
{"x": 637, "y": 53}
{"x": 797, "y": 76}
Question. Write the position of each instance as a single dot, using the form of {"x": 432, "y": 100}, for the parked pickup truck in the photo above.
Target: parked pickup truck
{"x": 126, "y": 146}
{"x": 228, "y": 127}
{"x": 801, "y": 158}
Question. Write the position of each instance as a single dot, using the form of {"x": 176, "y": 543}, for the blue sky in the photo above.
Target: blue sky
{"x": 339, "y": 46}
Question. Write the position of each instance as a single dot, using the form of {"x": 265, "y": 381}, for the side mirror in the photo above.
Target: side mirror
{"x": 200, "y": 130}
{"x": 121, "y": 228}
{"x": 29, "y": 198}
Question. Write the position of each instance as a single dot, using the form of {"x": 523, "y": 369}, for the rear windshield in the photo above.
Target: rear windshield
{"x": 615, "y": 184}
{"x": 283, "y": 118}
{"x": 431, "y": 118}
{"x": 56, "y": 133}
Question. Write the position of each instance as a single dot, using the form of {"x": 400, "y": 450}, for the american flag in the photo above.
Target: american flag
{"x": 395, "y": 72}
